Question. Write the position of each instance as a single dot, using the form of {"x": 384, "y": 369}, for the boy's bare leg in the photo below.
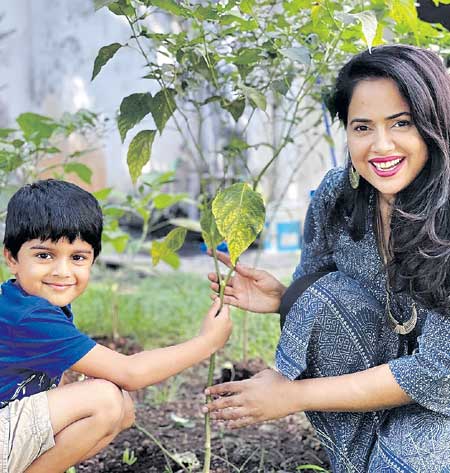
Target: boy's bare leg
{"x": 126, "y": 423}
{"x": 85, "y": 416}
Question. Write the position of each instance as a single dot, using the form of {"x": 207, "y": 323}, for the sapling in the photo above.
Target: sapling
{"x": 236, "y": 216}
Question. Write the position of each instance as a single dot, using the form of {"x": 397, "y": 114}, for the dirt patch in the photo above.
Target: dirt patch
{"x": 178, "y": 426}
{"x": 278, "y": 446}
{"x": 274, "y": 447}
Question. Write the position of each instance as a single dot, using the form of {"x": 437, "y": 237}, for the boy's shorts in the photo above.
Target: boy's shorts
{"x": 25, "y": 432}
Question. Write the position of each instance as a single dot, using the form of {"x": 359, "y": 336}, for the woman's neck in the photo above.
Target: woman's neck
{"x": 385, "y": 209}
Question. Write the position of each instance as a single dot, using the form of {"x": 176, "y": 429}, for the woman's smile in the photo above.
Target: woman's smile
{"x": 385, "y": 147}
{"x": 387, "y": 166}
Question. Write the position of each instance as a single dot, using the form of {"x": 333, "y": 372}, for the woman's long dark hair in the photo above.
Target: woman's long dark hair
{"x": 420, "y": 223}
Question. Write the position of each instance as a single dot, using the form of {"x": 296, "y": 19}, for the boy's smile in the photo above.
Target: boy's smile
{"x": 56, "y": 271}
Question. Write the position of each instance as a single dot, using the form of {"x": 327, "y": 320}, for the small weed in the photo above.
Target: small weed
{"x": 311, "y": 467}
{"x": 72, "y": 469}
{"x": 157, "y": 395}
{"x": 128, "y": 457}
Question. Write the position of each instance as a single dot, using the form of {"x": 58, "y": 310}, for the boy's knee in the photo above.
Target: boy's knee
{"x": 109, "y": 405}
{"x": 115, "y": 406}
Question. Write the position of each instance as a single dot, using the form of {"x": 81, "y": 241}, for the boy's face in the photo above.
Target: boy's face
{"x": 58, "y": 272}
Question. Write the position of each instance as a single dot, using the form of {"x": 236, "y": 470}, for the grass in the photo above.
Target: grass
{"x": 163, "y": 310}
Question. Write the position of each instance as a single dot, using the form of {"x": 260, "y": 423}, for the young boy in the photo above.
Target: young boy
{"x": 52, "y": 237}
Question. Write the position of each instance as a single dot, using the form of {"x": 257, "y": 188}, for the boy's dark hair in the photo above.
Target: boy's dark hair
{"x": 50, "y": 210}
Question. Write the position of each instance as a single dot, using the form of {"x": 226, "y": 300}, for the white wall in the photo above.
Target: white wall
{"x": 46, "y": 66}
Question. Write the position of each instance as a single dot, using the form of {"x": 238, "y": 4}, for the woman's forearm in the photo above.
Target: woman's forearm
{"x": 369, "y": 390}
{"x": 269, "y": 395}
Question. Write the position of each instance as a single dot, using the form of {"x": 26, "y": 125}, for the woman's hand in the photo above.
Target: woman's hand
{"x": 249, "y": 289}
{"x": 266, "y": 396}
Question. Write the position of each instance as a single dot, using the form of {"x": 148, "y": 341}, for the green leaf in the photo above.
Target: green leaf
{"x": 9, "y": 161}
{"x": 282, "y": 86}
{"x": 162, "y": 107}
{"x": 205, "y": 13}
{"x": 117, "y": 238}
{"x": 369, "y": 25}
{"x": 81, "y": 170}
{"x": 236, "y": 107}
{"x": 143, "y": 212}
{"x": 172, "y": 259}
{"x": 104, "y": 55}
{"x": 102, "y": 3}
{"x": 165, "y": 250}
{"x": 162, "y": 201}
{"x": 170, "y": 6}
{"x": 139, "y": 152}
{"x": 210, "y": 232}
{"x": 244, "y": 25}
{"x": 292, "y": 7}
{"x": 102, "y": 194}
{"x": 160, "y": 252}
{"x": 122, "y": 7}
{"x": 175, "y": 238}
{"x": 132, "y": 110}
{"x": 45, "y": 149}
{"x": 36, "y": 127}
{"x": 298, "y": 54}
{"x": 114, "y": 212}
{"x": 256, "y": 98}
{"x": 18, "y": 143}
{"x": 246, "y": 6}
{"x": 239, "y": 214}
{"x": 156, "y": 180}
{"x": 247, "y": 56}
{"x": 5, "y": 132}
{"x": 236, "y": 144}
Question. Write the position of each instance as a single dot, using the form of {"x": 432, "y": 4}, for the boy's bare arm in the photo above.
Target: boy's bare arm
{"x": 150, "y": 367}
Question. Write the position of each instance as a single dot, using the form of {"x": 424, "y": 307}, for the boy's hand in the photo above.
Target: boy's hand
{"x": 249, "y": 289}
{"x": 263, "y": 397}
{"x": 216, "y": 327}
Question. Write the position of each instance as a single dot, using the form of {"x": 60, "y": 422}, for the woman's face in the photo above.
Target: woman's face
{"x": 385, "y": 146}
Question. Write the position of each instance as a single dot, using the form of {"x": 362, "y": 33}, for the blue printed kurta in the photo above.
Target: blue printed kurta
{"x": 338, "y": 326}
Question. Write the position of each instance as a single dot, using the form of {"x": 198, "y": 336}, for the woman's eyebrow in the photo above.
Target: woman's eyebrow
{"x": 391, "y": 117}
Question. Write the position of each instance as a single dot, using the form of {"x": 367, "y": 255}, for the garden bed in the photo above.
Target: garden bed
{"x": 278, "y": 446}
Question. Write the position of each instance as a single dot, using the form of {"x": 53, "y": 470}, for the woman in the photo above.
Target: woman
{"x": 365, "y": 347}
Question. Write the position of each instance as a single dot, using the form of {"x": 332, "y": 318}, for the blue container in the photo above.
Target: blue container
{"x": 222, "y": 247}
{"x": 267, "y": 244}
{"x": 288, "y": 236}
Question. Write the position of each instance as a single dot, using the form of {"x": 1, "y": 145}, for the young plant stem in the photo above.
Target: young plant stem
{"x": 212, "y": 365}
{"x": 162, "y": 448}
{"x": 245, "y": 337}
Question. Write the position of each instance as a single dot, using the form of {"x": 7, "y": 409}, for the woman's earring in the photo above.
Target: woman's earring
{"x": 354, "y": 177}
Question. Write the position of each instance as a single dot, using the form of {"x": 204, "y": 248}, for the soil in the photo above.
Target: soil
{"x": 177, "y": 425}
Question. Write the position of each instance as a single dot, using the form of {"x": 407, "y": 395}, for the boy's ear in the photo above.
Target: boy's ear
{"x": 10, "y": 260}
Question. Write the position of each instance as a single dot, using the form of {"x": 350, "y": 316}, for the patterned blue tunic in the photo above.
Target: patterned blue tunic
{"x": 338, "y": 326}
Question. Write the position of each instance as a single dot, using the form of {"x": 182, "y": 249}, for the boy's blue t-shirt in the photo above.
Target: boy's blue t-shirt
{"x": 38, "y": 342}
